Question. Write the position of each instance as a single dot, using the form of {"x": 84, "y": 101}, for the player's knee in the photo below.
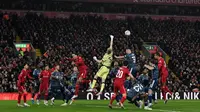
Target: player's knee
{"x": 124, "y": 95}
{"x": 103, "y": 80}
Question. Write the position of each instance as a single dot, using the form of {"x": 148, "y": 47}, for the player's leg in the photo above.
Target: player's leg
{"x": 78, "y": 83}
{"x": 52, "y": 93}
{"x": 25, "y": 96}
{"x": 98, "y": 74}
{"x": 146, "y": 107}
{"x": 113, "y": 96}
{"x": 39, "y": 94}
{"x": 46, "y": 93}
{"x": 124, "y": 95}
{"x": 164, "y": 88}
{"x": 104, "y": 73}
{"x": 118, "y": 97}
{"x": 150, "y": 92}
{"x": 20, "y": 91}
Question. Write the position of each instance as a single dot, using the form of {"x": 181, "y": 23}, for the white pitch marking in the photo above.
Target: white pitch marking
{"x": 153, "y": 109}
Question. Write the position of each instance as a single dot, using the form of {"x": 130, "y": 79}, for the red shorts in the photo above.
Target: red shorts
{"x": 82, "y": 74}
{"x": 164, "y": 78}
{"x": 44, "y": 88}
{"x": 21, "y": 88}
{"x": 119, "y": 87}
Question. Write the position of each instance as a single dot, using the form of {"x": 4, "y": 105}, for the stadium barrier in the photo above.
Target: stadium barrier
{"x": 158, "y": 2}
{"x": 107, "y": 16}
{"x": 107, "y": 96}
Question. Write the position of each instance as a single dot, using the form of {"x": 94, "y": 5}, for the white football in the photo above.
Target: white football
{"x": 127, "y": 33}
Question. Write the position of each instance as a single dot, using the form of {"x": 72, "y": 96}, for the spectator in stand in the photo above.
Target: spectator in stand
{"x": 87, "y": 34}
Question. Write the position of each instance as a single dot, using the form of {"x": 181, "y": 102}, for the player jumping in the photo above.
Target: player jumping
{"x": 162, "y": 67}
{"x": 44, "y": 78}
{"x": 82, "y": 68}
{"x": 21, "y": 85}
{"x": 105, "y": 62}
{"x": 119, "y": 84}
{"x": 131, "y": 58}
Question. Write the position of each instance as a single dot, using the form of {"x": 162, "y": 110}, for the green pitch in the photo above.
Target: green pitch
{"x": 101, "y": 106}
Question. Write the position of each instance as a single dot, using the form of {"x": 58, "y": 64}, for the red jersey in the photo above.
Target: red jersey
{"x": 122, "y": 73}
{"x": 45, "y": 76}
{"x": 23, "y": 75}
{"x": 162, "y": 67}
{"x": 79, "y": 63}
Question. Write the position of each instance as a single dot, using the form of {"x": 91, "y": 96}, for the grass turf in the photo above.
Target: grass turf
{"x": 101, "y": 106}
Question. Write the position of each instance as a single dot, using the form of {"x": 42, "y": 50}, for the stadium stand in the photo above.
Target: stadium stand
{"x": 89, "y": 35}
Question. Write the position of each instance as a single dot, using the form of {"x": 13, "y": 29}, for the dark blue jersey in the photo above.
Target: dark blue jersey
{"x": 58, "y": 80}
{"x": 144, "y": 79}
{"x": 36, "y": 73}
{"x": 131, "y": 58}
{"x": 73, "y": 79}
{"x": 113, "y": 72}
{"x": 155, "y": 73}
{"x": 136, "y": 89}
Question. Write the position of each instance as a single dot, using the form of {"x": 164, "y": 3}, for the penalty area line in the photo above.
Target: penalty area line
{"x": 153, "y": 109}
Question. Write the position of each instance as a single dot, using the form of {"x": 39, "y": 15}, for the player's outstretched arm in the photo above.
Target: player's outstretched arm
{"x": 119, "y": 57}
{"x": 148, "y": 67}
{"x": 131, "y": 76}
{"x": 111, "y": 41}
{"x": 98, "y": 61}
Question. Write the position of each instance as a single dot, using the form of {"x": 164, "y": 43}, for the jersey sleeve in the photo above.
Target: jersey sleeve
{"x": 160, "y": 63}
{"x": 28, "y": 75}
{"x": 41, "y": 75}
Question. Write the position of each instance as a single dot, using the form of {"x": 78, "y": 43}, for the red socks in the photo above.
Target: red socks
{"x": 123, "y": 99}
{"x": 112, "y": 99}
{"x": 163, "y": 93}
{"x": 24, "y": 98}
{"x": 46, "y": 97}
{"x": 165, "y": 89}
{"x": 19, "y": 98}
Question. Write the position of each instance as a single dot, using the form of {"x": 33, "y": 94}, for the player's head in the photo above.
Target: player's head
{"x": 153, "y": 62}
{"x": 125, "y": 63}
{"x": 47, "y": 67}
{"x": 26, "y": 66}
{"x": 145, "y": 71}
{"x": 57, "y": 67}
{"x": 75, "y": 69}
{"x": 74, "y": 56}
{"x": 109, "y": 51}
{"x": 157, "y": 55}
{"x": 116, "y": 64}
{"x": 128, "y": 51}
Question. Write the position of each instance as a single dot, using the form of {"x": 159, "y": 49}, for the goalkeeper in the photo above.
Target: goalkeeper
{"x": 104, "y": 70}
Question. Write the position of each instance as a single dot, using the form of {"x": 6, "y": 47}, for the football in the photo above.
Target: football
{"x": 127, "y": 33}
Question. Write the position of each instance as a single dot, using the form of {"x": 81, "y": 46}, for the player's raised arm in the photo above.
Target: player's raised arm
{"x": 98, "y": 61}
{"x": 148, "y": 67}
{"x": 111, "y": 42}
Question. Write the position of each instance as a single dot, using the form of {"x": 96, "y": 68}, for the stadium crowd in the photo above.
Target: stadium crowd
{"x": 89, "y": 36}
